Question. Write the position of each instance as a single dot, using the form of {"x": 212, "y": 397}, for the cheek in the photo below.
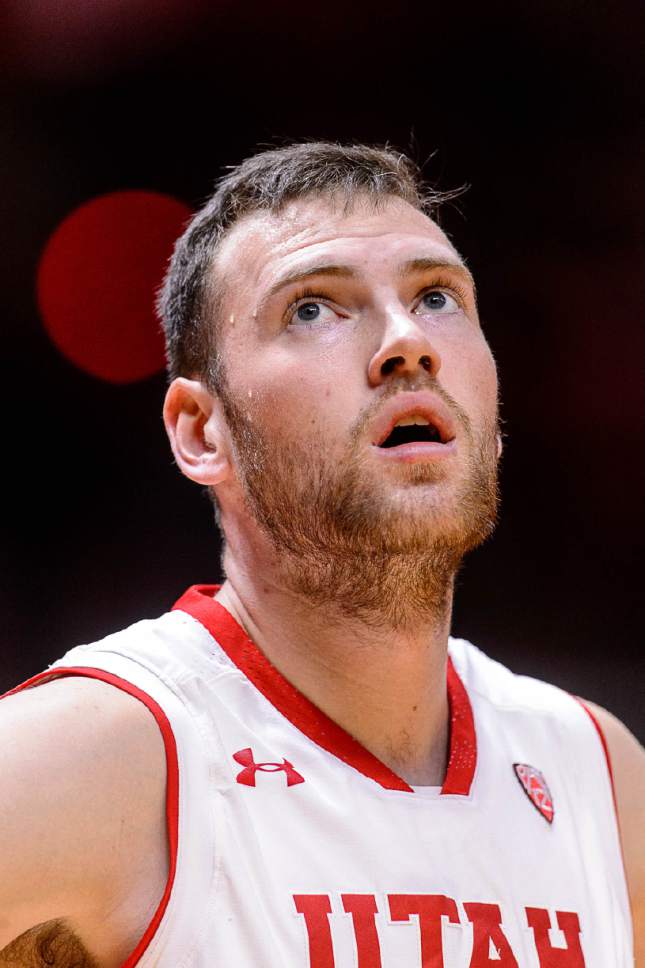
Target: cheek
{"x": 485, "y": 378}
{"x": 309, "y": 382}
{"x": 289, "y": 400}
{"x": 469, "y": 374}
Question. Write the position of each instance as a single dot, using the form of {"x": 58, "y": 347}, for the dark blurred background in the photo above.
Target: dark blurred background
{"x": 539, "y": 107}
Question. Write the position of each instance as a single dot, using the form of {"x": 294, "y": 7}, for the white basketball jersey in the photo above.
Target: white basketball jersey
{"x": 293, "y": 847}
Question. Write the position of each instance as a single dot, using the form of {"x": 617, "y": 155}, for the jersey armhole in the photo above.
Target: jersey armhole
{"x": 603, "y": 741}
{"x": 172, "y": 778}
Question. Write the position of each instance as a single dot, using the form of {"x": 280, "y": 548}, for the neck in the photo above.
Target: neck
{"x": 377, "y": 667}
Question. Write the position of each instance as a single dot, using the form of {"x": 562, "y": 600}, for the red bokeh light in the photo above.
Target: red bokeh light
{"x": 97, "y": 280}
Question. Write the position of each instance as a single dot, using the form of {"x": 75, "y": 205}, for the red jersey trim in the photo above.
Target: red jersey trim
{"x": 603, "y": 741}
{"x": 198, "y": 601}
{"x": 172, "y": 782}
{"x": 601, "y": 734}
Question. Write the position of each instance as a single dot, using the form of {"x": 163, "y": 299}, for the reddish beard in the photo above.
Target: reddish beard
{"x": 337, "y": 542}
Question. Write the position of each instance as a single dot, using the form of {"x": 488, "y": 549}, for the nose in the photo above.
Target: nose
{"x": 405, "y": 348}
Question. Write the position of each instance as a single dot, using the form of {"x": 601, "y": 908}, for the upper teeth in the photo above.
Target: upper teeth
{"x": 414, "y": 419}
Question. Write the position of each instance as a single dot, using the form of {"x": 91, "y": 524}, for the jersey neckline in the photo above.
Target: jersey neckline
{"x": 198, "y": 601}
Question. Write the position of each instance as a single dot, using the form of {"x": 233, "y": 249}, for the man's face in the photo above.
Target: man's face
{"x": 385, "y": 306}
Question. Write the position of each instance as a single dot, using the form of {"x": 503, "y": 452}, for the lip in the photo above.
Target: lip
{"x": 420, "y": 451}
{"x": 425, "y": 404}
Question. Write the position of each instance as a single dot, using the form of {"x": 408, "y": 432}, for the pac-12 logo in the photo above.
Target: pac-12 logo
{"x": 247, "y": 775}
{"x": 536, "y": 789}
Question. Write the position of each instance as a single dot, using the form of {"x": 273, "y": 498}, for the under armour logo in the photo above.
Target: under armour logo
{"x": 247, "y": 775}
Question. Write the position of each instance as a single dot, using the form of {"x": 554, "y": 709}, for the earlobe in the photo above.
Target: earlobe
{"x": 191, "y": 419}
{"x": 500, "y": 446}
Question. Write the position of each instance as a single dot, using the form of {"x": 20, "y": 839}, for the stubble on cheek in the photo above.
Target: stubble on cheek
{"x": 311, "y": 495}
{"x": 343, "y": 539}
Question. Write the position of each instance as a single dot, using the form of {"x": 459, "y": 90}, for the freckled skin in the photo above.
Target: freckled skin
{"x": 339, "y": 564}
{"x": 339, "y": 567}
{"x": 257, "y": 250}
{"x": 313, "y": 517}
{"x": 342, "y": 526}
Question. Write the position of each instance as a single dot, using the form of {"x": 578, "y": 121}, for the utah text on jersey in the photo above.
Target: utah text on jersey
{"x": 483, "y": 940}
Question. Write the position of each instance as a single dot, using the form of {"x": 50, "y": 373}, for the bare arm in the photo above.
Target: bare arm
{"x": 628, "y": 764}
{"x": 82, "y": 820}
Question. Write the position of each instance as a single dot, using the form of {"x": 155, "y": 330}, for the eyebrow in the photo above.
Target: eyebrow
{"x": 429, "y": 264}
{"x": 298, "y": 275}
{"x": 422, "y": 264}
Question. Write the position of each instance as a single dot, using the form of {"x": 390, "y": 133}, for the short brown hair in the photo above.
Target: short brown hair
{"x": 267, "y": 181}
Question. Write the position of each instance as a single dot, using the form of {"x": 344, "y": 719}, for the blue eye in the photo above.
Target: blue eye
{"x": 437, "y": 301}
{"x": 311, "y": 309}
{"x": 307, "y": 312}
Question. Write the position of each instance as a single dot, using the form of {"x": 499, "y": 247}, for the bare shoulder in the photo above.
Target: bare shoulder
{"x": 82, "y": 816}
{"x": 628, "y": 765}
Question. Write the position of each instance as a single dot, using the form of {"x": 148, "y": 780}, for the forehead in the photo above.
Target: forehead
{"x": 263, "y": 244}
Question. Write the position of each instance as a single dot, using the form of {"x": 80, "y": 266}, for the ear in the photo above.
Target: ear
{"x": 194, "y": 424}
{"x": 500, "y": 446}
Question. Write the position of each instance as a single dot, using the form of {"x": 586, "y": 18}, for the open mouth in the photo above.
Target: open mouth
{"x": 412, "y": 433}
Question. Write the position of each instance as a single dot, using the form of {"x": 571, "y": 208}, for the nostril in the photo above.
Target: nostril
{"x": 389, "y": 365}
{"x": 426, "y": 362}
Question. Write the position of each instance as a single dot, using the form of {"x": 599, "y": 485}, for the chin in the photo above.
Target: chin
{"x": 424, "y": 524}
{"x": 425, "y": 502}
